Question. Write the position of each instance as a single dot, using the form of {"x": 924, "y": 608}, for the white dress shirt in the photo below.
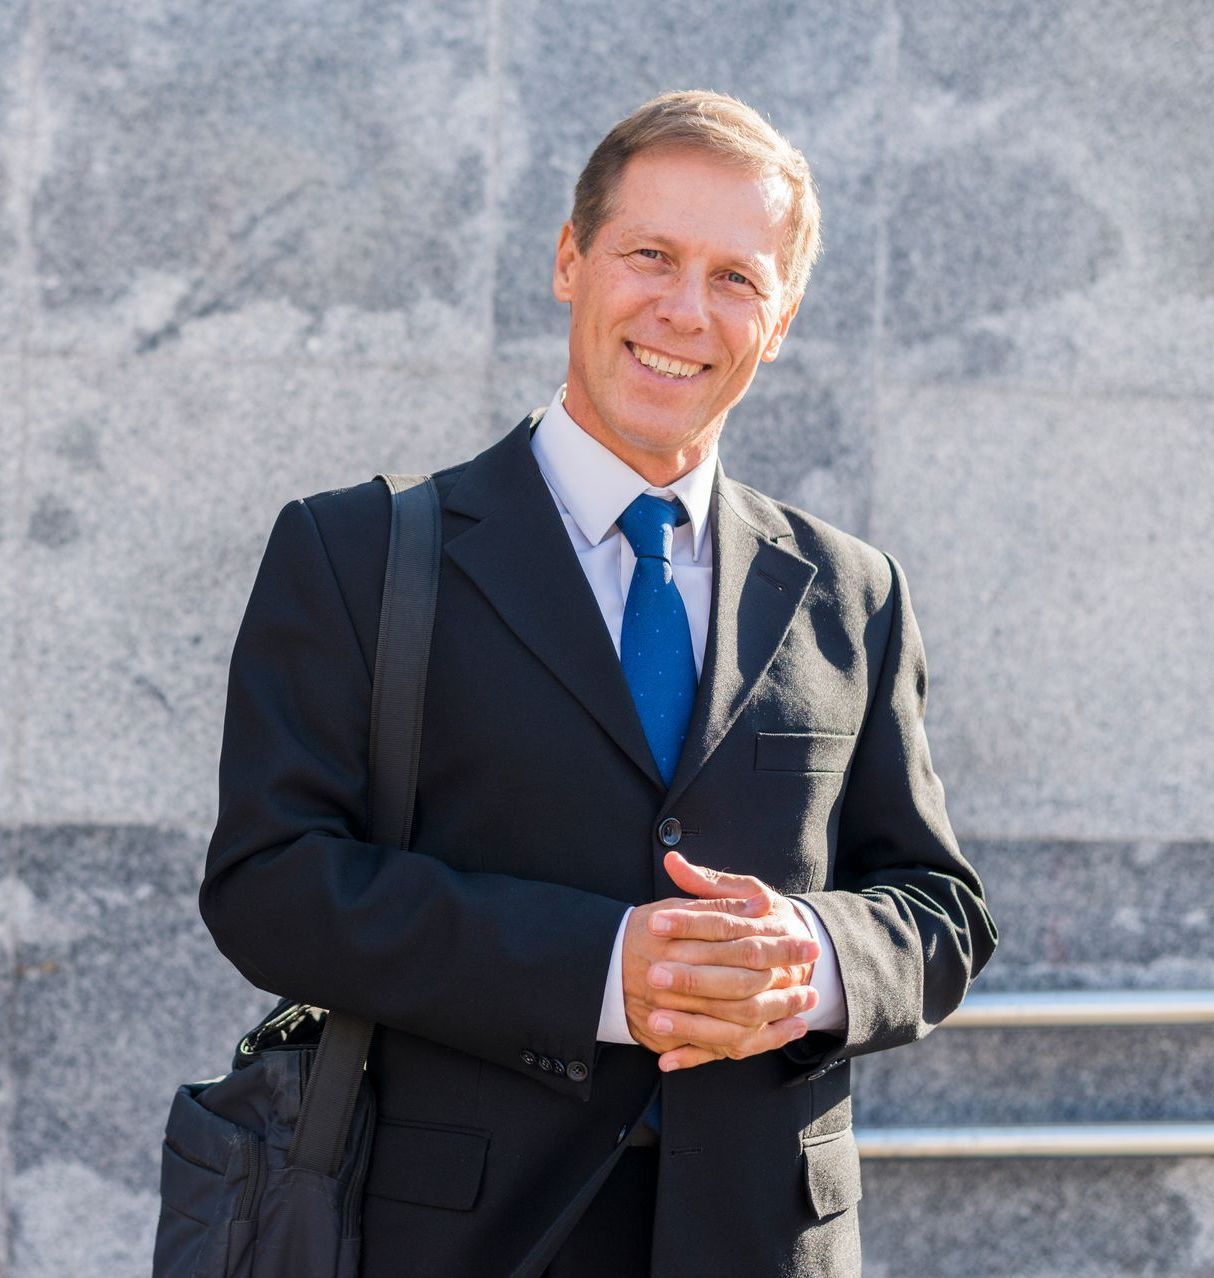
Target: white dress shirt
{"x": 591, "y": 486}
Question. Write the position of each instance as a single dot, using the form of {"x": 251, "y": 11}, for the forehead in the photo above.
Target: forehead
{"x": 698, "y": 195}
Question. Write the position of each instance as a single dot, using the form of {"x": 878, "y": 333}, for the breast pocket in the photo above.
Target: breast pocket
{"x": 803, "y": 751}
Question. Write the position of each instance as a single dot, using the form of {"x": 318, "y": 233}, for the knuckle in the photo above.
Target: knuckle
{"x": 749, "y": 1013}
{"x": 781, "y": 978}
{"x": 781, "y": 1004}
{"x": 751, "y": 983}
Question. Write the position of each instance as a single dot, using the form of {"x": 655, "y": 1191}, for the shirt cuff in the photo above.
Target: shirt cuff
{"x": 613, "y": 1021}
{"x": 829, "y": 1015}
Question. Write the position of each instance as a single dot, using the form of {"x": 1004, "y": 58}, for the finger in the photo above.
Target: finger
{"x": 758, "y": 953}
{"x": 710, "y": 923}
{"x": 687, "y": 1057}
{"x": 700, "y": 880}
{"x": 735, "y": 1041}
{"x": 713, "y": 920}
{"x": 708, "y": 981}
{"x": 743, "y": 906}
{"x": 748, "y": 1013}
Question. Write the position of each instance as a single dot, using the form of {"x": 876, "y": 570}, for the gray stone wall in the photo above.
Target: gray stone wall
{"x": 250, "y": 251}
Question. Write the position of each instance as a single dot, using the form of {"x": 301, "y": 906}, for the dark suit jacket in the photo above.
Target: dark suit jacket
{"x": 483, "y": 951}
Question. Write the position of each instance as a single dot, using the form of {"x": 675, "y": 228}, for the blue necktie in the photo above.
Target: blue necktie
{"x": 655, "y": 640}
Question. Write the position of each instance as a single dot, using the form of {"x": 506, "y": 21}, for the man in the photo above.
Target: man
{"x": 679, "y": 851}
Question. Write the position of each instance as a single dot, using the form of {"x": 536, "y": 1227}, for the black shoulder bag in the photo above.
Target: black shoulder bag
{"x": 263, "y": 1168}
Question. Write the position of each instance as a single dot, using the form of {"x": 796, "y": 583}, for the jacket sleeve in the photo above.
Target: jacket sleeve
{"x": 906, "y": 911}
{"x": 305, "y": 907}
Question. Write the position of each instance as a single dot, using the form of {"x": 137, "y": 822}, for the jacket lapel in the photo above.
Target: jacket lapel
{"x": 519, "y": 556}
{"x": 758, "y": 585}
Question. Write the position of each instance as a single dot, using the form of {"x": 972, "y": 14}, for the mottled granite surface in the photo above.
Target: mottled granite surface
{"x": 1072, "y": 533}
{"x": 248, "y": 253}
{"x": 119, "y": 996}
{"x": 1039, "y": 1218}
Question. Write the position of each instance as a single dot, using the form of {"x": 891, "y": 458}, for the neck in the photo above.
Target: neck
{"x": 659, "y": 467}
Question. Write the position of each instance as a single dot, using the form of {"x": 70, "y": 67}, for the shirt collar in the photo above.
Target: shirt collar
{"x": 596, "y": 485}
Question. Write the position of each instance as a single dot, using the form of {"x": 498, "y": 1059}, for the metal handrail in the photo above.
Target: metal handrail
{"x": 1084, "y": 1007}
{"x": 1069, "y": 1140}
{"x": 1065, "y": 1140}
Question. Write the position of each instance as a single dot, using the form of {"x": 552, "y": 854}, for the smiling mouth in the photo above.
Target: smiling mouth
{"x": 675, "y": 369}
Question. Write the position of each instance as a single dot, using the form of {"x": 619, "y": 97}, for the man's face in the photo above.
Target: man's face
{"x": 673, "y": 306}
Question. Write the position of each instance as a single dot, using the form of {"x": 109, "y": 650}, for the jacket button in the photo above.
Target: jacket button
{"x": 558, "y": 1067}
{"x": 577, "y": 1072}
{"x": 545, "y": 1065}
{"x": 670, "y": 832}
{"x": 528, "y": 1058}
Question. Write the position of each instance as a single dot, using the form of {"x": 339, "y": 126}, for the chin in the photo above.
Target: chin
{"x": 655, "y": 426}
{"x": 654, "y": 438}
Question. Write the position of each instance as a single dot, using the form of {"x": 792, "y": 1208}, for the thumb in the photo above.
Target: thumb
{"x": 699, "y": 880}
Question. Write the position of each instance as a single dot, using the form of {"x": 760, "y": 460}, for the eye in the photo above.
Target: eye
{"x": 736, "y": 277}
{"x": 651, "y": 253}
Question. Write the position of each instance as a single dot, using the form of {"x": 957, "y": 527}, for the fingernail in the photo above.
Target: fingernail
{"x": 668, "y": 1067}
{"x": 663, "y": 1024}
{"x": 659, "y": 923}
{"x": 801, "y": 1030}
{"x": 662, "y": 977}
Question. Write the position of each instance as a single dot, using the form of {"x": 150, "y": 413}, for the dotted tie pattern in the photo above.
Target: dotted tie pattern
{"x": 655, "y": 641}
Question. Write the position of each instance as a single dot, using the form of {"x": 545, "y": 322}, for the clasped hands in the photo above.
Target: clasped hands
{"x": 720, "y": 976}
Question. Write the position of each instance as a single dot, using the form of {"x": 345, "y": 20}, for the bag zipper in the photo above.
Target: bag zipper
{"x": 352, "y": 1206}
{"x": 253, "y": 1156}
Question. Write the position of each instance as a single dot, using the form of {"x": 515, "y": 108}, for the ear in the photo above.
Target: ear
{"x": 565, "y": 268}
{"x": 772, "y": 349}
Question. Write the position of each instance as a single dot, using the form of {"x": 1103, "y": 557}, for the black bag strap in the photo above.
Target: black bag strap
{"x": 402, "y": 654}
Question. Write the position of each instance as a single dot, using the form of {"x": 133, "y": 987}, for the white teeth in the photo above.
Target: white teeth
{"x": 663, "y": 364}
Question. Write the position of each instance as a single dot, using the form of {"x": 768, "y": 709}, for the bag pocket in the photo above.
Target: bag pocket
{"x": 212, "y": 1174}
{"x": 429, "y": 1164}
{"x": 803, "y": 751}
{"x": 832, "y": 1172}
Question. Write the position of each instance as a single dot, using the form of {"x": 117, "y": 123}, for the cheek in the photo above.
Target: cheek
{"x": 750, "y": 338}
{"x": 747, "y": 328}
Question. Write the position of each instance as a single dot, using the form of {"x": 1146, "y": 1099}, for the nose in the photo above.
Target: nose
{"x": 683, "y": 303}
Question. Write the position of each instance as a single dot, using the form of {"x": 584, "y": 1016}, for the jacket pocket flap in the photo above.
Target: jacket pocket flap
{"x": 421, "y": 1163}
{"x": 832, "y": 1173}
{"x": 803, "y": 751}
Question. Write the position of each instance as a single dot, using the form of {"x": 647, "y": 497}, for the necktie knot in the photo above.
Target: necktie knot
{"x": 648, "y": 523}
